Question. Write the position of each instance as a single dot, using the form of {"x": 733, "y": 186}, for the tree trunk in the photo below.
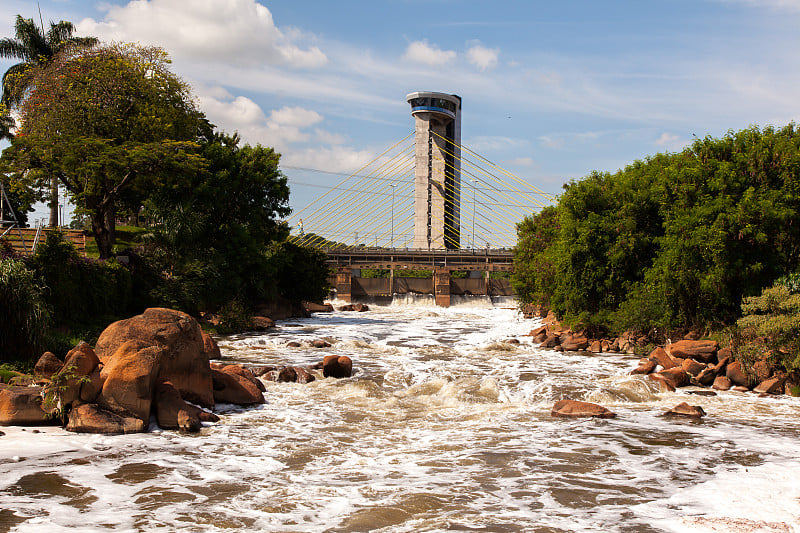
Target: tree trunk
{"x": 102, "y": 235}
{"x": 53, "y": 201}
{"x": 111, "y": 223}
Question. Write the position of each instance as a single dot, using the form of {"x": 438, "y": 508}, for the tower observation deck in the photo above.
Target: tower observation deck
{"x": 437, "y": 174}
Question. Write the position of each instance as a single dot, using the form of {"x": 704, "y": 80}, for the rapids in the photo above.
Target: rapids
{"x": 443, "y": 427}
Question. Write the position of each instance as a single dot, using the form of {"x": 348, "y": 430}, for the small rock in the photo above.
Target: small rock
{"x": 511, "y": 341}
{"x": 666, "y": 384}
{"x": 319, "y": 343}
{"x": 47, "y": 365}
{"x": 722, "y": 383}
{"x": 684, "y": 409}
{"x": 660, "y": 357}
{"x": 646, "y": 366}
{"x": 573, "y": 408}
{"x": 693, "y": 367}
{"x": 262, "y": 323}
{"x": 771, "y": 386}
{"x": 293, "y": 344}
{"x": 740, "y": 388}
{"x": 735, "y": 373}
{"x": 702, "y": 392}
{"x": 551, "y": 341}
{"x": 336, "y": 366}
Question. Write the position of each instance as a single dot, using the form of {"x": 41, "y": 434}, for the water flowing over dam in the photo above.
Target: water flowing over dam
{"x": 444, "y": 426}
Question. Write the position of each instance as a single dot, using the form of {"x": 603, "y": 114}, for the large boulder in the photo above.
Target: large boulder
{"x": 129, "y": 379}
{"x": 313, "y": 307}
{"x": 550, "y": 342}
{"x": 707, "y": 376}
{"x": 184, "y": 362}
{"x": 232, "y": 388}
{"x": 705, "y": 351}
{"x": 91, "y": 418}
{"x": 573, "y": 408}
{"x": 21, "y": 406}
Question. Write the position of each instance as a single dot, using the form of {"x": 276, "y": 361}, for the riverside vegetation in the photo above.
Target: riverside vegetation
{"x": 706, "y": 240}
{"x": 131, "y": 145}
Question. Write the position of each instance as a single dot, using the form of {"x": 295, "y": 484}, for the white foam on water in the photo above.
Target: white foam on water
{"x": 445, "y": 425}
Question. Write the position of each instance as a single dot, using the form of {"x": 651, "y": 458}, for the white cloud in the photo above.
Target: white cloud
{"x": 670, "y": 141}
{"x": 333, "y": 159}
{"x": 230, "y": 31}
{"x": 294, "y": 116}
{"x": 482, "y": 57}
{"x": 429, "y": 54}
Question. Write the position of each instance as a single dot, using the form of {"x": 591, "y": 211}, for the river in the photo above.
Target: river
{"x": 443, "y": 427}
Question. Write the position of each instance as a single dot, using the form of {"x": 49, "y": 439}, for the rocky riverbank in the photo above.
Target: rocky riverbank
{"x": 154, "y": 364}
{"x": 684, "y": 362}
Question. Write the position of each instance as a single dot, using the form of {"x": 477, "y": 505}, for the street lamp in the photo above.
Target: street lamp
{"x": 391, "y": 242}
{"x": 474, "y": 183}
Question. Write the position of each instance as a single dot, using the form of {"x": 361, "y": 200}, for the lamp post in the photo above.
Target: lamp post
{"x": 391, "y": 242}
{"x": 474, "y": 184}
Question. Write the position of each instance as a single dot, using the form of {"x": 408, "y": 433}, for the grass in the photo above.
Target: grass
{"x": 127, "y": 237}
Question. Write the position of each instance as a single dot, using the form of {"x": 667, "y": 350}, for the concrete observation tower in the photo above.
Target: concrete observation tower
{"x": 437, "y": 176}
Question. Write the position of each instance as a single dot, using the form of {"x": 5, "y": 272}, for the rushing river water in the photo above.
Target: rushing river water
{"x": 443, "y": 427}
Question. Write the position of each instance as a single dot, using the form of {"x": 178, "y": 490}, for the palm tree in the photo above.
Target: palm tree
{"x": 34, "y": 48}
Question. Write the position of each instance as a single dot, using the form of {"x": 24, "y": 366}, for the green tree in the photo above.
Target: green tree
{"x": 112, "y": 123}
{"x": 674, "y": 240}
{"x": 211, "y": 229}
{"x": 34, "y": 48}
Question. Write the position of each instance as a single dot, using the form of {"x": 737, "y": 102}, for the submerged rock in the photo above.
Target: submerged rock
{"x": 574, "y": 408}
{"x": 684, "y": 409}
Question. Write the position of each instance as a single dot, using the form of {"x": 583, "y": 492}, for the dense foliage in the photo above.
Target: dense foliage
{"x": 677, "y": 239}
{"x": 217, "y": 238}
{"x": 23, "y": 315}
{"x": 77, "y": 289}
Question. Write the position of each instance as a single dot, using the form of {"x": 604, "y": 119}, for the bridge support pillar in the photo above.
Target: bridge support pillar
{"x": 344, "y": 284}
{"x": 441, "y": 287}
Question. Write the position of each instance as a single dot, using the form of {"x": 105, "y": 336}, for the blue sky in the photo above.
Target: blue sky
{"x": 551, "y": 90}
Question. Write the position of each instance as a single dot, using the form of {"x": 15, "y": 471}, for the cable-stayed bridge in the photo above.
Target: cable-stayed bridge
{"x": 429, "y": 199}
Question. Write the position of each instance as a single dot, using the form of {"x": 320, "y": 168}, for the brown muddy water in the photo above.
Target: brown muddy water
{"x": 443, "y": 427}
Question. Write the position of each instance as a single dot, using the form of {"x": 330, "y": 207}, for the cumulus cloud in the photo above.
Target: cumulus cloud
{"x": 232, "y": 31}
{"x": 280, "y": 129}
{"x": 482, "y": 57}
{"x": 332, "y": 159}
{"x": 429, "y": 54}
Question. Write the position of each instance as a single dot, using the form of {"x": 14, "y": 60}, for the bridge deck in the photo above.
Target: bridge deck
{"x": 393, "y": 259}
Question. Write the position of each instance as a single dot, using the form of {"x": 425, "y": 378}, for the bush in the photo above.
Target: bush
{"x": 770, "y": 326}
{"x": 23, "y": 315}
{"x": 80, "y": 290}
